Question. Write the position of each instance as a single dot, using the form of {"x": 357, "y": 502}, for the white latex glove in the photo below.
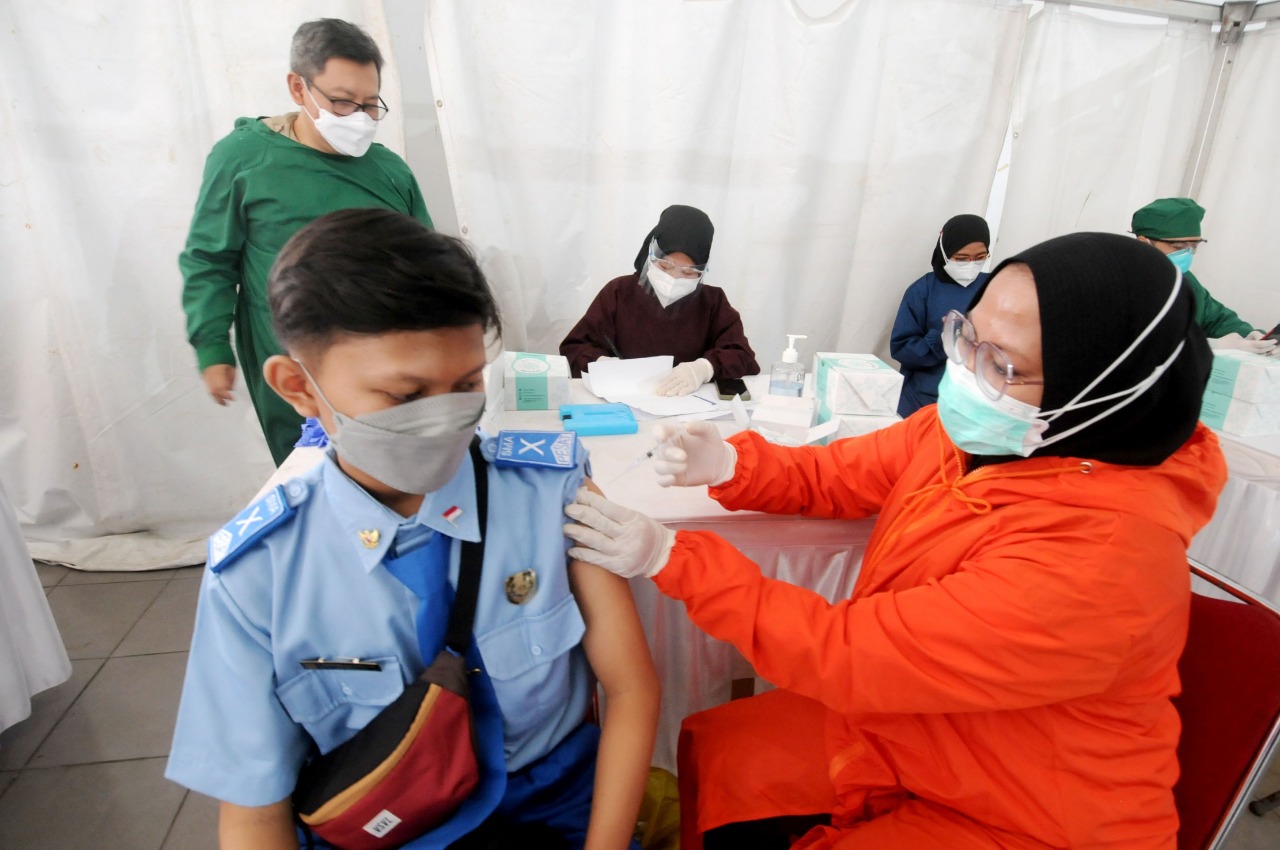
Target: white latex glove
{"x": 1256, "y": 337}
{"x": 623, "y": 541}
{"x": 1253, "y": 343}
{"x": 696, "y": 455}
{"x": 686, "y": 378}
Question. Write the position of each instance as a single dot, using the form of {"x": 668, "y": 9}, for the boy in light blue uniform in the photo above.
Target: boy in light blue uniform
{"x": 384, "y": 322}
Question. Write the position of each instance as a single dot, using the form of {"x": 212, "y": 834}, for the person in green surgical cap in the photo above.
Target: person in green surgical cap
{"x": 1172, "y": 226}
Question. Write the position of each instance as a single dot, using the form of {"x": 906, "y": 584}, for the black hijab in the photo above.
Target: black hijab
{"x": 956, "y": 233}
{"x": 1097, "y": 292}
{"x": 682, "y": 229}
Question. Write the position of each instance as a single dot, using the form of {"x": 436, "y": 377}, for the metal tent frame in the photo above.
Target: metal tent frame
{"x": 1233, "y": 17}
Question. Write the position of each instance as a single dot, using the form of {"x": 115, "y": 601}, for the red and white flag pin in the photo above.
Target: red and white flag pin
{"x": 452, "y": 514}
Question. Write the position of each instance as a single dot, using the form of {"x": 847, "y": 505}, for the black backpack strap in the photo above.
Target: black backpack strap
{"x": 462, "y": 615}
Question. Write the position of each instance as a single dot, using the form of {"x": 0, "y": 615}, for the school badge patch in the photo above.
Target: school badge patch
{"x": 521, "y": 586}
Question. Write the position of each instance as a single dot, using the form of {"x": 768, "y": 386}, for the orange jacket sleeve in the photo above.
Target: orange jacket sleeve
{"x": 847, "y": 479}
{"x": 1034, "y": 618}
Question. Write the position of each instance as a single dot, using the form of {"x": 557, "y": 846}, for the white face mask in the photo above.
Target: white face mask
{"x": 668, "y": 288}
{"x": 962, "y": 273}
{"x": 347, "y": 134}
{"x": 415, "y": 447}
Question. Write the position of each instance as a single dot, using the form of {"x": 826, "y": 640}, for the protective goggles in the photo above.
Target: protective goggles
{"x": 658, "y": 258}
{"x": 990, "y": 365}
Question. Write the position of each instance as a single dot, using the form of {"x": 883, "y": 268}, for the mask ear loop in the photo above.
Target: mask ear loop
{"x": 1139, "y": 387}
{"x": 316, "y": 384}
{"x": 1135, "y": 391}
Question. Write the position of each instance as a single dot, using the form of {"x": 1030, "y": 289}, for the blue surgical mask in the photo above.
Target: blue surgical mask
{"x": 980, "y": 426}
{"x": 1182, "y": 259}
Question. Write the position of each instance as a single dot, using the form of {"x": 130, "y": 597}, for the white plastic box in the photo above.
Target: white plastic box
{"x": 783, "y": 419}
{"x": 854, "y": 384}
{"x": 534, "y": 381}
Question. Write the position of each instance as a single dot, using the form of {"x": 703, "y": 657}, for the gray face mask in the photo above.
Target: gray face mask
{"x": 415, "y": 447}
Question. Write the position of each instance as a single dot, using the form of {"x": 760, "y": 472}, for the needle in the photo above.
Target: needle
{"x": 645, "y": 457}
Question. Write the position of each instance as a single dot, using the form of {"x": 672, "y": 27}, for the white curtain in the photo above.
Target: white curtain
{"x": 110, "y": 449}
{"x": 1103, "y": 122}
{"x": 1241, "y": 192}
{"x": 828, "y": 142}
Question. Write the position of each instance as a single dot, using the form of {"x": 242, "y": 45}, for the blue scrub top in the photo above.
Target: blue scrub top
{"x": 314, "y": 586}
{"x": 916, "y": 339}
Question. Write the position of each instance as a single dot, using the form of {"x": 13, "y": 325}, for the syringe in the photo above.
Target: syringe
{"x": 659, "y": 446}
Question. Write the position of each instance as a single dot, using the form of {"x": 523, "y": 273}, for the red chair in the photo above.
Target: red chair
{"x": 1230, "y": 709}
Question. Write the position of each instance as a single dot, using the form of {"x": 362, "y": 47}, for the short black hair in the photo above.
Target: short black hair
{"x": 316, "y": 42}
{"x": 363, "y": 272}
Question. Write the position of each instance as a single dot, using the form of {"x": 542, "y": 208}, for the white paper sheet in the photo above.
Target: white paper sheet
{"x": 632, "y": 382}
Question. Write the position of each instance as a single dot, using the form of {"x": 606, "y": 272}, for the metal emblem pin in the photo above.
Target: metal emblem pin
{"x": 521, "y": 586}
{"x": 370, "y": 538}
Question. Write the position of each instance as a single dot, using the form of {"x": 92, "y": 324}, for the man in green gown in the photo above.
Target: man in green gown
{"x": 1172, "y": 226}
{"x": 262, "y": 183}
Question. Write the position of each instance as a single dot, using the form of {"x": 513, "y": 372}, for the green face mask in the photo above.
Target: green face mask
{"x": 980, "y": 426}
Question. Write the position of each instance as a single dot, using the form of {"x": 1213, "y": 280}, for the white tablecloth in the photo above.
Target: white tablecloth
{"x": 32, "y": 657}
{"x": 1242, "y": 541}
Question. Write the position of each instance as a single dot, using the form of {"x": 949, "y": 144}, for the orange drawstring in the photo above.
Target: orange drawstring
{"x": 912, "y": 502}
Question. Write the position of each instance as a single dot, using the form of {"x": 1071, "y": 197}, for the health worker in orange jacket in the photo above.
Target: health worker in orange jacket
{"x": 1001, "y": 675}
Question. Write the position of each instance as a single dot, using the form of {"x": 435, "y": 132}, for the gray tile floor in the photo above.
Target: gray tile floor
{"x": 87, "y": 768}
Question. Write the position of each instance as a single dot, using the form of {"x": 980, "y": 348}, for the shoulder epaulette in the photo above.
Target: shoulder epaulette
{"x": 536, "y": 449}
{"x": 251, "y": 525}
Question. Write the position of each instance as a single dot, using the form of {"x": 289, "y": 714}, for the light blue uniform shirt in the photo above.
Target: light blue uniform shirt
{"x": 314, "y": 587}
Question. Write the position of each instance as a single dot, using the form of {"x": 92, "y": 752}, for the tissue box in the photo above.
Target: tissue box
{"x": 858, "y": 384}
{"x": 784, "y": 420}
{"x": 1246, "y": 377}
{"x": 534, "y": 381}
{"x": 1241, "y": 418}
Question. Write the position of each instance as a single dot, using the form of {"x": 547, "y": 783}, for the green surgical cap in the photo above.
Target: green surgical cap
{"x": 1168, "y": 218}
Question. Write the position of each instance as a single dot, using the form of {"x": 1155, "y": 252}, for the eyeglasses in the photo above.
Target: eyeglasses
{"x": 991, "y": 366}
{"x": 659, "y": 259}
{"x": 344, "y": 108}
{"x": 1179, "y": 244}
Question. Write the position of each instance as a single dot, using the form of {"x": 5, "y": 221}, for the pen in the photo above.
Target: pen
{"x": 613, "y": 349}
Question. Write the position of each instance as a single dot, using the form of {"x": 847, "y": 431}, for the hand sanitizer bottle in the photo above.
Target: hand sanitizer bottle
{"x": 787, "y": 376}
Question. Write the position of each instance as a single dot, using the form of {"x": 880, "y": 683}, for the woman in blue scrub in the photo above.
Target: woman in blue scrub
{"x": 959, "y": 256}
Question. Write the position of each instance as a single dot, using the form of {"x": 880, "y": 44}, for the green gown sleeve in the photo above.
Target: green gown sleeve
{"x": 211, "y": 261}
{"x": 1214, "y": 317}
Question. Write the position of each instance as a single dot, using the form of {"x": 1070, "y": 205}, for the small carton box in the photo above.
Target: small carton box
{"x": 1241, "y": 418}
{"x": 783, "y": 419}
{"x": 854, "y": 384}
{"x": 1246, "y": 376}
{"x": 534, "y": 381}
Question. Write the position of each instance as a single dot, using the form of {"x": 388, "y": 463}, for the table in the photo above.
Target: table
{"x": 32, "y": 656}
{"x": 1242, "y": 541}
{"x": 696, "y": 671}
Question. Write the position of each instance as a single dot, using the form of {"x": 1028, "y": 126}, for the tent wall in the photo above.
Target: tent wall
{"x": 111, "y": 450}
{"x": 828, "y": 140}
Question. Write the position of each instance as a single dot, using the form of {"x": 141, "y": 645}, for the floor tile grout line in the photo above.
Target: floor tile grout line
{"x": 65, "y": 711}
{"x": 42, "y": 767}
{"x": 176, "y": 814}
{"x": 134, "y": 624}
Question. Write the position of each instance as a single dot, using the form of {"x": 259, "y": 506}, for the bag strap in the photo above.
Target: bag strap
{"x": 463, "y": 614}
